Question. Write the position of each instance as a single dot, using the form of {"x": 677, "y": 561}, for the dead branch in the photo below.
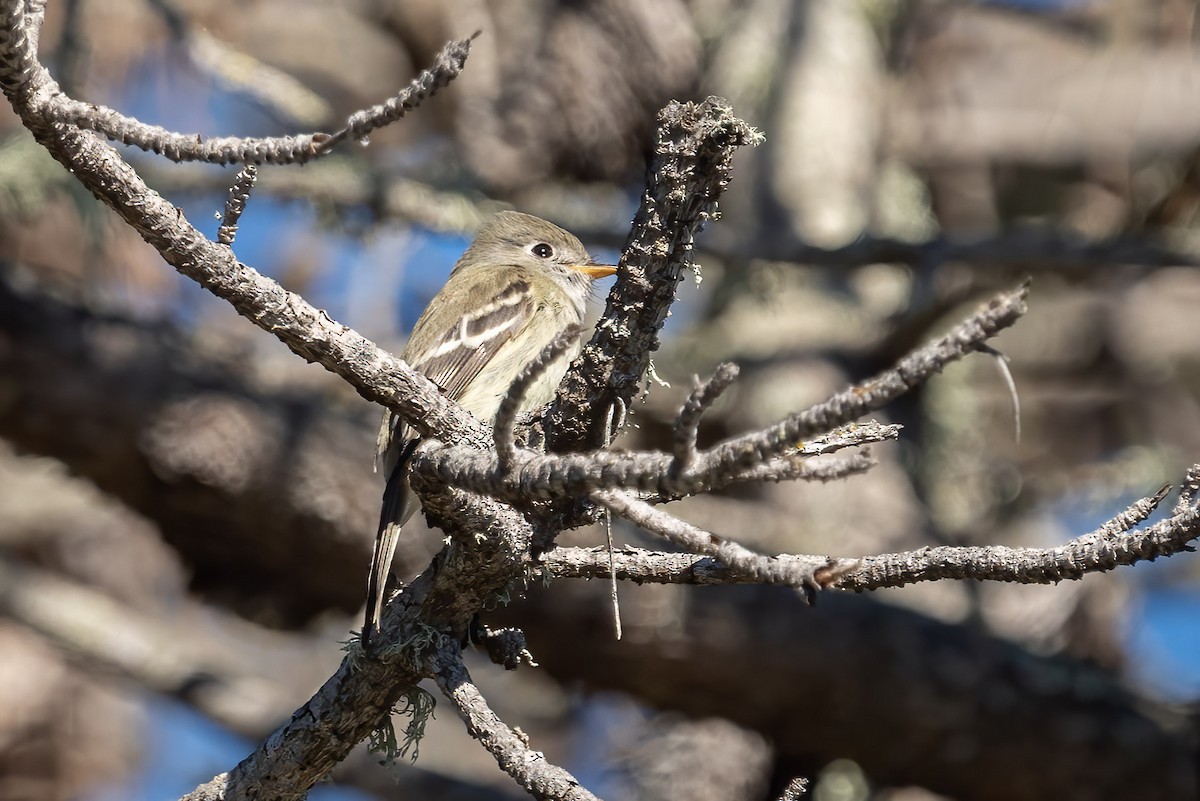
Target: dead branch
{"x": 1112, "y": 545}
{"x": 512, "y": 752}
{"x": 803, "y": 573}
{"x": 504, "y": 427}
{"x": 690, "y": 167}
{"x": 56, "y": 107}
{"x": 235, "y": 203}
{"x": 309, "y": 332}
{"x": 547, "y": 476}
{"x": 687, "y": 425}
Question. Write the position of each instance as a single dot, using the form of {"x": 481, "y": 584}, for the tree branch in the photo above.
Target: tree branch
{"x": 722, "y": 562}
{"x": 687, "y": 425}
{"x": 547, "y": 476}
{"x": 529, "y": 768}
{"x": 1109, "y": 546}
{"x": 690, "y": 168}
{"x": 804, "y": 573}
{"x": 309, "y": 332}
{"x": 235, "y": 203}
{"x": 58, "y": 108}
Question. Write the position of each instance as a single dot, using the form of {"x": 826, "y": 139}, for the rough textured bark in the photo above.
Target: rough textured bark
{"x": 936, "y": 705}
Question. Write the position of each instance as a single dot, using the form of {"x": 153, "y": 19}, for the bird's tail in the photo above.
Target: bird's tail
{"x": 398, "y": 506}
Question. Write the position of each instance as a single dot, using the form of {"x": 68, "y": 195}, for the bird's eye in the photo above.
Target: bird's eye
{"x": 542, "y": 250}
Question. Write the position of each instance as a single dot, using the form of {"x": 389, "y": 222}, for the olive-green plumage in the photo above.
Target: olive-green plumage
{"x": 521, "y": 282}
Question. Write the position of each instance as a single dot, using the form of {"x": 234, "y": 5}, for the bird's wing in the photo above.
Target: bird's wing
{"x": 453, "y": 360}
{"x": 468, "y": 343}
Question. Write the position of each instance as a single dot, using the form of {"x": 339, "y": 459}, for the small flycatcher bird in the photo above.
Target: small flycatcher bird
{"x": 522, "y": 281}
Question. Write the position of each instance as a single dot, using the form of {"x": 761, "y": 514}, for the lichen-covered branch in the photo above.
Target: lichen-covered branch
{"x": 308, "y": 331}
{"x": 514, "y": 756}
{"x": 1110, "y": 546}
{"x": 803, "y": 573}
{"x": 690, "y": 167}
{"x": 58, "y": 108}
{"x": 546, "y": 476}
{"x": 541, "y": 476}
{"x": 687, "y": 425}
{"x": 493, "y": 543}
{"x": 1114, "y": 544}
{"x": 235, "y": 203}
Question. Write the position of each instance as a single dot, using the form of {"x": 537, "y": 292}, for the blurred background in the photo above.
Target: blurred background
{"x": 187, "y": 510}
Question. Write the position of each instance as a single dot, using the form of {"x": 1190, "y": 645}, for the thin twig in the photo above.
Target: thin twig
{"x": 687, "y": 425}
{"x": 1189, "y": 491}
{"x": 308, "y": 331}
{"x": 850, "y": 404}
{"x": 796, "y": 468}
{"x": 1010, "y": 382}
{"x": 256, "y": 150}
{"x": 504, "y": 427}
{"x": 800, "y": 573}
{"x": 1111, "y": 545}
{"x": 547, "y": 476}
{"x": 445, "y": 68}
{"x": 610, "y": 427}
{"x": 612, "y": 574}
{"x": 235, "y": 203}
{"x": 514, "y": 756}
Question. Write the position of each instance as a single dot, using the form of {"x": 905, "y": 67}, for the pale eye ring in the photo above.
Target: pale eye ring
{"x": 542, "y": 250}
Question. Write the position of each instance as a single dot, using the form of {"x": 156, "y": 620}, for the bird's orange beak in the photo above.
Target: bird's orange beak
{"x": 594, "y": 271}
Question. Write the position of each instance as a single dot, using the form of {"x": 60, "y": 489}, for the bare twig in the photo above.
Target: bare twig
{"x": 1111, "y": 545}
{"x": 687, "y": 425}
{"x": 376, "y": 374}
{"x": 796, "y": 468}
{"x": 504, "y": 428}
{"x": 555, "y": 476}
{"x": 235, "y": 203}
{"x": 528, "y": 767}
{"x": 850, "y": 404}
{"x": 612, "y": 574}
{"x": 612, "y": 423}
{"x": 57, "y": 107}
{"x": 1010, "y": 383}
{"x": 1141, "y": 509}
{"x": 806, "y": 574}
{"x": 1189, "y": 490}
{"x": 446, "y": 67}
{"x": 793, "y": 467}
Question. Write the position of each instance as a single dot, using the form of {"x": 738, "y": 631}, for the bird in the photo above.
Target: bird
{"x": 520, "y": 283}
